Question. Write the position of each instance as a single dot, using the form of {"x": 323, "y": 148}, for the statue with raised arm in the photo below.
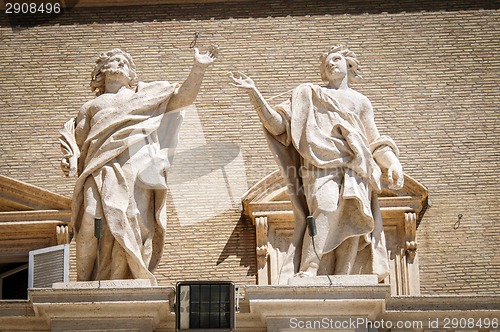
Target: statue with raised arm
{"x": 120, "y": 147}
{"x": 329, "y": 150}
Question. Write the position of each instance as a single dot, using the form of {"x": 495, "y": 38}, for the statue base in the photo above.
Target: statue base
{"x": 336, "y": 280}
{"x": 118, "y": 283}
{"x": 107, "y": 305}
{"x": 306, "y": 299}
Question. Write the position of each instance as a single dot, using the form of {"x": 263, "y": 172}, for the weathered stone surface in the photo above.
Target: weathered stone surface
{"x": 121, "y": 146}
{"x": 116, "y": 305}
{"x": 331, "y": 154}
{"x": 117, "y": 283}
{"x": 437, "y": 98}
{"x": 336, "y": 280}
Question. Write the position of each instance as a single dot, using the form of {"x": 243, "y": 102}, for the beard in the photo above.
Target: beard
{"x": 118, "y": 71}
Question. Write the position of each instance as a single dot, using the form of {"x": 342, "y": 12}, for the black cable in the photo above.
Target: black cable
{"x": 311, "y": 224}
{"x": 319, "y": 259}
{"x": 98, "y": 232}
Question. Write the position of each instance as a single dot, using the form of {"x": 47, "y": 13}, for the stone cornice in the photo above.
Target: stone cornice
{"x": 16, "y": 195}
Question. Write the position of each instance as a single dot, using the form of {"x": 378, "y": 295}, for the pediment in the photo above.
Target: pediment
{"x": 270, "y": 197}
{"x": 268, "y": 205}
{"x": 30, "y": 218}
{"x": 16, "y": 195}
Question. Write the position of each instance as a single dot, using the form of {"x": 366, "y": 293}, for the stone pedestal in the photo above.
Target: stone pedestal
{"x": 311, "y": 304}
{"x": 336, "y": 280}
{"x": 269, "y": 206}
{"x": 111, "y": 305}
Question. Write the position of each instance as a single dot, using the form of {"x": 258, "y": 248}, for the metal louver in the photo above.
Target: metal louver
{"x": 48, "y": 265}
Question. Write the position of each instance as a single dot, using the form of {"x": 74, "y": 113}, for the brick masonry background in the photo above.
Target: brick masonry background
{"x": 431, "y": 70}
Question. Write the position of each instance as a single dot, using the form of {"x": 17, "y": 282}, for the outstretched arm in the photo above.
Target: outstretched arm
{"x": 272, "y": 120}
{"x": 188, "y": 91}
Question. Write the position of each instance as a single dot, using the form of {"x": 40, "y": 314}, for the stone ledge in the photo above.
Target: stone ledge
{"x": 286, "y": 301}
{"x": 336, "y": 280}
{"x": 117, "y": 301}
{"x": 125, "y": 283}
{"x": 16, "y": 308}
{"x": 444, "y": 302}
{"x": 315, "y": 292}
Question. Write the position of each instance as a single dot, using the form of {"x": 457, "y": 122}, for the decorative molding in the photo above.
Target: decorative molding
{"x": 411, "y": 234}
{"x": 16, "y": 195}
{"x": 62, "y": 234}
{"x": 268, "y": 205}
{"x": 261, "y": 228}
{"x": 31, "y": 218}
{"x": 114, "y": 305}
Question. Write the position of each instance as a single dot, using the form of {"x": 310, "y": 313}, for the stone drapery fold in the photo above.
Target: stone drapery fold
{"x": 303, "y": 146}
{"x": 105, "y": 137}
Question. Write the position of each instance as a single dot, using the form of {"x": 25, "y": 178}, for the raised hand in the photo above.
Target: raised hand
{"x": 242, "y": 81}
{"x": 208, "y": 58}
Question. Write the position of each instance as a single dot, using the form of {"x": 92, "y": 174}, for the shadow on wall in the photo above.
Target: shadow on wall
{"x": 214, "y": 170}
{"x": 193, "y": 10}
{"x": 202, "y": 160}
{"x": 241, "y": 244}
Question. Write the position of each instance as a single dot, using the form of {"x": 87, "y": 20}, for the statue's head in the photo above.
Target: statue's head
{"x": 114, "y": 62}
{"x": 353, "y": 65}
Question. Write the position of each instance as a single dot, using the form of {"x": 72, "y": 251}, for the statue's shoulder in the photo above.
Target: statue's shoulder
{"x": 88, "y": 105}
{"x": 152, "y": 85}
{"x": 357, "y": 93}
{"x": 98, "y": 101}
{"x": 357, "y": 96}
{"x": 308, "y": 87}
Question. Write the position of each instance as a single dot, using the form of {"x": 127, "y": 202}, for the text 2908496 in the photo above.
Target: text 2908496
{"x": 32, "y": 8}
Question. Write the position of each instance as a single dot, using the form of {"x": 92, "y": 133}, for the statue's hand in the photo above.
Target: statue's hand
{"x": 242, "y": 81}
{"x": 208, "y": 58}
{"x": 65, "y": 166}
{"x": 395, "y": 171}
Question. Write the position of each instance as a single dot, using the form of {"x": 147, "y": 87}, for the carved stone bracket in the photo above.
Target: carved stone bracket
{"x": 261, "y": 228}
{"x": 30, "y": 218}
{"x": 411, "y": 233}
{"x": 269, "y": 206}
{"x": 62, "y": 234}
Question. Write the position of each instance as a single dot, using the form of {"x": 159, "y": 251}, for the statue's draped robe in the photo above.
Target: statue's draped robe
{"x": 305, "y": 146}
{"x": 106, "y": 144}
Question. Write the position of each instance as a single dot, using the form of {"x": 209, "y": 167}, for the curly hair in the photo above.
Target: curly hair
{"x": 97, "y": 83}
{"x": 354, "y": 67}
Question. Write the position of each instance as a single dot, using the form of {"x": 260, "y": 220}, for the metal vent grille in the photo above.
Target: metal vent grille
{"x": 47, "y": 266}
{"x": 205, "y": 305}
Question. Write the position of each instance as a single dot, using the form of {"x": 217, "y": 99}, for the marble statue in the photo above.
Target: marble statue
{"x": 329, "y": 149}
{"x": 120, "y": 147}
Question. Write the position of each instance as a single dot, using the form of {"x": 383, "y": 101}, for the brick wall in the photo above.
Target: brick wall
{"x": 431, "y": 71}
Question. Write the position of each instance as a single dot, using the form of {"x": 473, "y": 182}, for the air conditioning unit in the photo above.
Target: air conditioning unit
{"x": 205, "y": 306}
{"x": 48, "y": 265}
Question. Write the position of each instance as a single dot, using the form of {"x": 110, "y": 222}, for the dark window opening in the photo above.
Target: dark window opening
{"x": 14, "y": 281}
